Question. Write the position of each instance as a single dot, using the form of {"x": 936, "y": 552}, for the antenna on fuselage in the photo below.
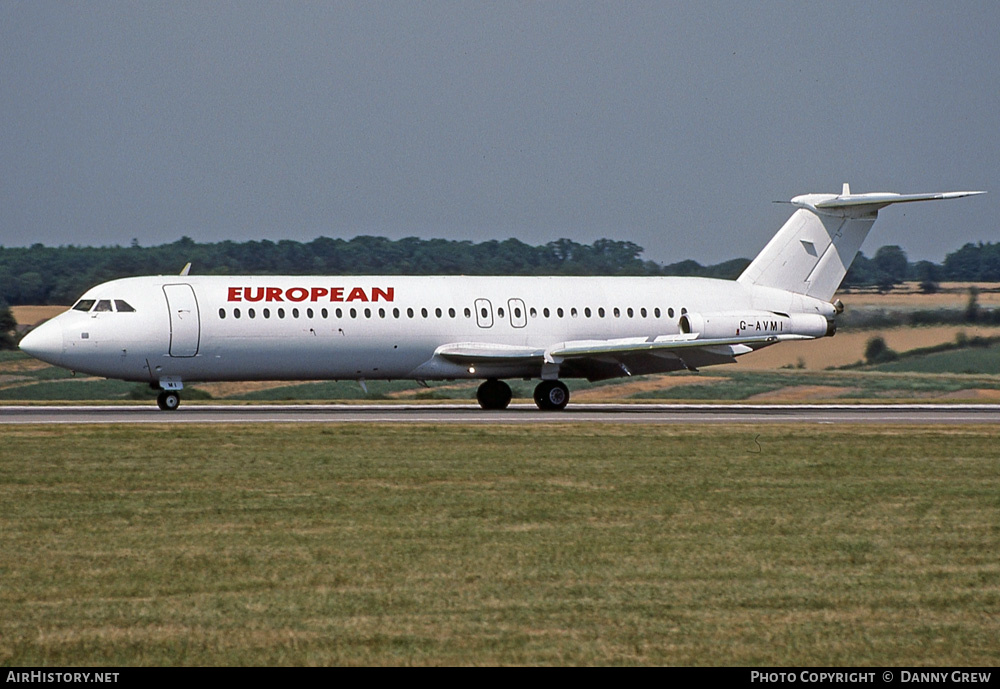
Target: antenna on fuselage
{"x": 186, "y": 269}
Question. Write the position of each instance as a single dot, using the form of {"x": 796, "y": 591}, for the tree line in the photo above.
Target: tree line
{"x": 59, "y": 275}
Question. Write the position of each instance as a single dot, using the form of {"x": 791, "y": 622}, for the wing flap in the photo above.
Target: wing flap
{"x": 485, "y": 352}
{"x": 666, "y": 343}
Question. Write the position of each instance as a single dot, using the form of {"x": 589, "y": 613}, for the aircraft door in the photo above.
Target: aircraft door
{"x": 185, "y": 321}
{"x": 518, "y": 315}
{"x": 484, "y": 313}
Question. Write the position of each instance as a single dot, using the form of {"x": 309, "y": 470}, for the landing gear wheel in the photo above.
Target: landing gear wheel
{"x": 551, "y": 395}
{"x": 494, "y": 394}
{"x": 168, "y": 400}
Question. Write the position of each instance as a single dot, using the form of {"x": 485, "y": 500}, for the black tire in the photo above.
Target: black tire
{"x": 168, "y": 400}
{"x": 494, "y": 394}
{"x": 551, "y": 395}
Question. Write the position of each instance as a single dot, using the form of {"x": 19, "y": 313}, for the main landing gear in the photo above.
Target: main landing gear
{"x": 168, "y": 400}
{"x": 550, "y": 395}
{"x": 494, "y": 394}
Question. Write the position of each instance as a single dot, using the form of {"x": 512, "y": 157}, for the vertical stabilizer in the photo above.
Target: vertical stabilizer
{"x": 811, "y": 253}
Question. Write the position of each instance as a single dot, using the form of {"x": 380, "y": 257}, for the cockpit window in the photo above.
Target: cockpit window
{"x": 103, "y": 305}
{"x": 122, "y": 306}
{"x": 84, "y": 305}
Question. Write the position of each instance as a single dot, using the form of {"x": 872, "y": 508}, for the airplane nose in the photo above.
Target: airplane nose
{"x": 44, "y": 342}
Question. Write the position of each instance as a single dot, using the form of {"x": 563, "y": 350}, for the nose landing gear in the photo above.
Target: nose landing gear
{"x": 169, "y": 397}
{"x": 168, "y": 400}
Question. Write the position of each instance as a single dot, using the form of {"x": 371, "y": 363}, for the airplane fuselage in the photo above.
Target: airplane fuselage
{"x": 208, "y": 328}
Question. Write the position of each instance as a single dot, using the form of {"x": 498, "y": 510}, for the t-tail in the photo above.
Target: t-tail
{"x": 812, "y": 252}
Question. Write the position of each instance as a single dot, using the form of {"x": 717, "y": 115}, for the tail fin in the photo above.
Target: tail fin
{"x": 812, "y": 251}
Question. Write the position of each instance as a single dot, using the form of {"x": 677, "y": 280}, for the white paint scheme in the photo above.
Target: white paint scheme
{"x": 184, "y": 328}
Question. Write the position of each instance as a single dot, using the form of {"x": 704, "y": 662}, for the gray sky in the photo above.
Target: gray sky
{"x": 673, "y": 125}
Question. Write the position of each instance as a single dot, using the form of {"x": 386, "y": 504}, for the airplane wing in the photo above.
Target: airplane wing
{"x": 602, "y": 359}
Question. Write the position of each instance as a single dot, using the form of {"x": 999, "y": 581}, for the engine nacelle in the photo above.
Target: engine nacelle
{"x": 753, "y": 324}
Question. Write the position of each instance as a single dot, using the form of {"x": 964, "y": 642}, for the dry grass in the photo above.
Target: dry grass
{"x": 908, "y": 296}
{"x": 849, "y": 347}
{"x": 33, "y": 315}
{"x": 803, "y": 393}
{"x": 631, "y": 387}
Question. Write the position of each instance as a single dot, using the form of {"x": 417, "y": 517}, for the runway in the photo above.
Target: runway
{"x": 516, "y": 414}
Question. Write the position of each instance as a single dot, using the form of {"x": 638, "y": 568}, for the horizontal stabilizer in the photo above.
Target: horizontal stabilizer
{"x": 812, "y": 252}
{"x": 872, "y": 202}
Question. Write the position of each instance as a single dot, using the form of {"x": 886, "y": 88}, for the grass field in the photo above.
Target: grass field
{"x": 562, "y": 544}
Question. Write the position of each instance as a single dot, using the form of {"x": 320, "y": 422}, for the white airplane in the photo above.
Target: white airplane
{"x": 171, "y": 330}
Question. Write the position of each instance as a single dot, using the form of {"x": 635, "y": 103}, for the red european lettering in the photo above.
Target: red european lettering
{"x": 357, "y": 294}
{"x": 386, "y": 294}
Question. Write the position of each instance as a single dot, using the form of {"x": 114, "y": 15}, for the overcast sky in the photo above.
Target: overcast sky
{"x": 673, "y": 125}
